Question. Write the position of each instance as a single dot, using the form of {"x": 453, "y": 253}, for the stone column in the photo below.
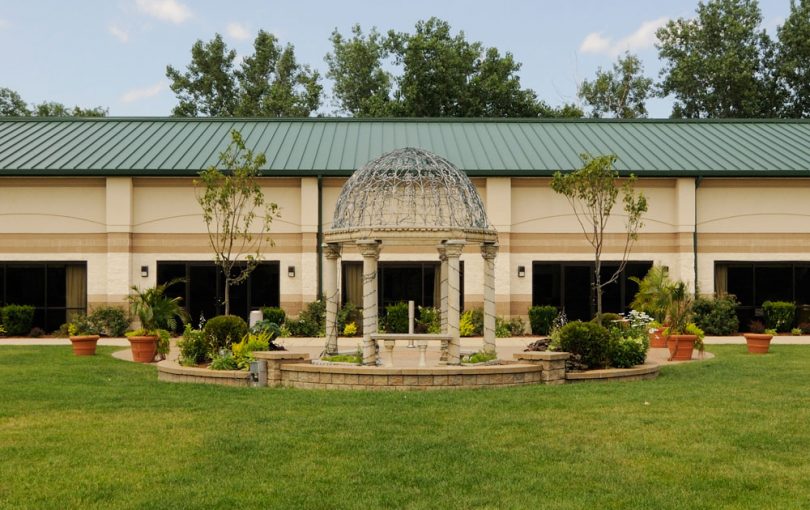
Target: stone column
{"x": 330, "y": 287}
{"x": 488, "y": 252}
{"x": 453, "y": 249}
{"x": 370, "y": 250}
{"x": 443, "y": 288}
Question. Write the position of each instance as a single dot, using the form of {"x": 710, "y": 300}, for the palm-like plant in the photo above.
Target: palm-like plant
{"x": 680, "y": 309}
{"x": 155, "y": 309}
{"x": 654, "y": 293}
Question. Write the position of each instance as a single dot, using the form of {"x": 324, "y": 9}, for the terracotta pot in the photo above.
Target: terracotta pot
{"x": 680, "y": 347}
{"x": 144, "y": 348}
{"x": 758, "y": 343}
{"x": 84, "y": 345}
{"x": 657, "y": 338}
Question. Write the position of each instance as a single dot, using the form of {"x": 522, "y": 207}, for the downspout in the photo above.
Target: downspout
{"x": 319, "y": 237}
{"x": 698, "y": 180}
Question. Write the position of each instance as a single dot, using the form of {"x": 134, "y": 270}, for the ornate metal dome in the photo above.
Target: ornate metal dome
{"x": 410, "y": 190}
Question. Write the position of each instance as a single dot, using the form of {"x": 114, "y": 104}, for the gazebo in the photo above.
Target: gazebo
{"x": 414, "y": 197}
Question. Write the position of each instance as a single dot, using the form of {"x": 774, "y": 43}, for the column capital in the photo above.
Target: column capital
{"x": 442, "y": 252}
{"x": 489, "y": 250}
{"x": 454, "y": 247}
{"x": 332, "y": 250}
{"x": 369, "y": 247}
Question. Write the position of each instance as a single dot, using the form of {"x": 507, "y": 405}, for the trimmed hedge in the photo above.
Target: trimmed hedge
{"x": 110, "y": 320}
{"x": 223, "y": 330}
{"x": 541, "y": 318}
{"x": 17, "y": 319}
{"x": 588, "y": 341}
{"x": 274, "y": 314}
{"x": 396, "y": 318}
{"x": 779, "y": 315}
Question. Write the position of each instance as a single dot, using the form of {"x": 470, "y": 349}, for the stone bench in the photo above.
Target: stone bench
{"x": 421, "y": 339}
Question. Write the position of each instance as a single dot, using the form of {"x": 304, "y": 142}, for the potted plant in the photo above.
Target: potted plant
{"x": 679, "y": 340}
{"x": 758, "y": 340}
{"x": 653, "y": 297}
{"x": 83, "y": 336}
{"x": 157, "y": 313}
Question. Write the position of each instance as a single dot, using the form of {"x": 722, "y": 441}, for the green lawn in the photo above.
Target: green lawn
{"x": 733, "y": 432}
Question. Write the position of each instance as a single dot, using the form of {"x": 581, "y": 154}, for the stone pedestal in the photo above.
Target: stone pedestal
{"x": 553, "y": 364}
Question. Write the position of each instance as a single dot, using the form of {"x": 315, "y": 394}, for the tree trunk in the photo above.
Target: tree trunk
{"x": 598, "y": 289}
{"x": 227, "y": 296}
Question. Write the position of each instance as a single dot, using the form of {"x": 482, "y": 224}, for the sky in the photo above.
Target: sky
{"x": 114, "y": 53}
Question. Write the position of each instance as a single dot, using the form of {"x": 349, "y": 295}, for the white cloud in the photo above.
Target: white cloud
{"x": 165, "y": 10}
{"x": 133, "y": 95}
{"x": 642, "y": 38}
{"x": 118, "y": 32}
{"x": 4, "y": 24}
{"x": 238, "y": 31}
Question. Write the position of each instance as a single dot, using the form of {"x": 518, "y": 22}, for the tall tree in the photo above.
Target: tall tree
{"x": 621, "y": 92}
{"x": 717, "y": 64}
{"x": 11, "y": 104}
{"x": 793, "y": 59}
{"x": 441, "y": 74}
{"x": 268, "y": 83}
{"x": 592, "y": 193}
{"x": 362, "y": 87}
{"x": 231, "y": 199}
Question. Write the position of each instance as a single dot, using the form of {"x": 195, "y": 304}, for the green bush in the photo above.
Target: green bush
{"x": 396, "y": 318}
{"x": 588, "y": 342}
{"x": 517, "y": 326}
{"x": 194, "y": 348}
{"x": 429, "y": 320}
{"x": 274, "y": 314}
{"x": 716, "y": 316}
{"x": 225, "y": 362}
{"x": 17, "y": 319}
{"x": 465, "y": 326}
{"x": 541, "y": 318}
{"x": 626, "y": 351}
{"x": 475, "y": 319}
{"x": 311, "y": 322}
{"x": 223, "y": 330}
{"x": 110, "y": 320}
{"x": 779, "y": 315}
{"x": 350, "y": 314}
{"x": 501, "y": 327}
{"x": 607, "y": 318}
{"x": 243, "y": 351}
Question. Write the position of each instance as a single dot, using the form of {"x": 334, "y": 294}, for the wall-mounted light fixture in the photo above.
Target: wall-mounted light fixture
{"x": 291, "y": 271}
{"x": 144, "y": 271}
{"x": 521, "y": 271}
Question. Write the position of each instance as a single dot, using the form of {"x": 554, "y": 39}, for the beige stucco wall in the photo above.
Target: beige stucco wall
{"x": 119, "y": 224}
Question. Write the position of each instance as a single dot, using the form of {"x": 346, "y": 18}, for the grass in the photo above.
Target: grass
{"x": 733, "y": 432}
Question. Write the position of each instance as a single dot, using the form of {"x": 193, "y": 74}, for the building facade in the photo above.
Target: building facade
{"x": 91, "y": 207}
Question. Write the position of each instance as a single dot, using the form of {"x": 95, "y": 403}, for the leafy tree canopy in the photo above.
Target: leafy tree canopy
{"x": 620, "y": 92}
{"x": 793, "y": 59}
{"x": 12, "y": 105}
{"x": 441, "y": 75}
{"x": 268, "y": 83}
{"x": 718, "y": 63}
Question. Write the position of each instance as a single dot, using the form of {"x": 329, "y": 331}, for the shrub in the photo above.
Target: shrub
{"x": 224, "y": 362}
{"x": 194, "y": 348}
{"x": 716, "y": 316}
{"x": 347, "y": 314}
{"x": 805, "y": 327}
{"x": 243, "y": 351}
{"x": 274, "y": 314}
{"x": 223, "y": 330}
{"x": 311, "y": 322}
{"x": 2, "y": 330}
{"x": 607, "y": 318}
{"x": 17, "y": 319}
{"x": 81, "y": 325}
{"x": 479, "y": 357}
{"x": 541, "y": 319}
{"x": 36, "y": 332}
{"x": 587, "y": 341}
{"x": 627, "y": 351}
{"x": 429, "y": 320}
{"x": 396, "y": 318}
{"x": 350, "y": 329}
{"x": 796, "y": 331}
{"x": 501, "y": 327}
{"x": 756, "y": 326}
{"x": 517, "y": 326}
{"x": 507, "y": 328}
{"x": 779, "y": 315}
{"x": 475, "y": 318}
{"x": 771, "y": 332}
{"x": 110, "y": 320}
{"x": 465, "y": 325}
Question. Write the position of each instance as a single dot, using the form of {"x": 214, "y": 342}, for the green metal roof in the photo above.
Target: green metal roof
{"x": 329, "y": 146}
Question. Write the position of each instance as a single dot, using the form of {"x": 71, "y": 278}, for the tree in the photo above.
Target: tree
{"x": 441, "y": 75}
{"x": 620, "y": 92}
{"x": 793, "y": 59}
{"x": 269, "y": 83}
{"x": 592, "y": 193}
{"x": 362, "y": 87}
{"x": 230, "y": 199}
{"x": 11, "y": 104}
{"x": 718, "y": 64}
